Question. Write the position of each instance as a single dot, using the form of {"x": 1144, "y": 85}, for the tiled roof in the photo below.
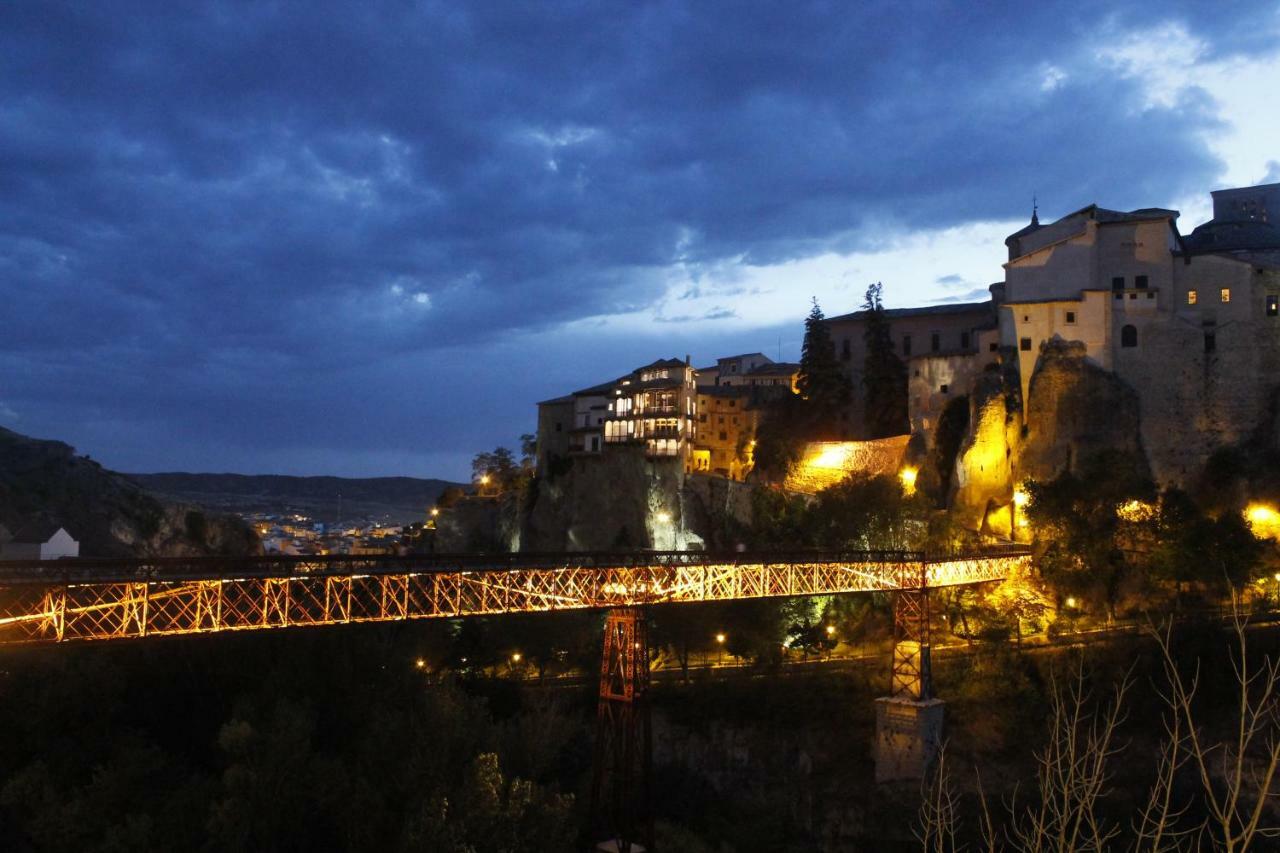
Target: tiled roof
{"x": 775, "y": 368}
{"x": 744, "y": 355}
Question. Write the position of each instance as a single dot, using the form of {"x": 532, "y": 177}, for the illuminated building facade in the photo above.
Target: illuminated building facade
{"x": 727, "y": 420}
{"x": 654, "y": 406}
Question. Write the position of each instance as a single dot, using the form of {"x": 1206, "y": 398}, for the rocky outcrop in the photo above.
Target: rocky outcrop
{"x": 616, "y": 500}
{"x": 110, "y": 514}
{"x": 982, "y": 483}
{"x": 480, "y": 523}
{"x": 1075, "y": 410}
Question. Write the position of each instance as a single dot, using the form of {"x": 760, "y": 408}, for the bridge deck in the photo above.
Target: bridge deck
{"x": 119, "y": 599}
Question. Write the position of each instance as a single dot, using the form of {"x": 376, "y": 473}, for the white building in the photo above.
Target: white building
{"x": 40, "y": 541}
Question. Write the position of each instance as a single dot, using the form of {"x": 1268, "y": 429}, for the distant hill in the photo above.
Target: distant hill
{"x": 110, "y": 514}
{"x": 398, "y": 499}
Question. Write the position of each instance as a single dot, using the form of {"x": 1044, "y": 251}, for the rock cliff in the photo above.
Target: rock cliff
{"x": 110, "y": 515}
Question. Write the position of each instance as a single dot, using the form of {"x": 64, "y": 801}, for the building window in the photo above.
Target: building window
{"x": 1119, "y": 295}
{"x": 1117, "y": 283}
{"x": 1273, "y": 306}
{"x": 1025, "y": 344}
{"x": 942, "y": 389}
{"x": 1133, "y": 296}
{"x": 1150, "y": 295}
{"x": 1129, "y": 336}
{"x": 1191, "y": 297}
{"x": 906, "y": 345}
{"x": 1140, "y": 282}
{"x": 557, "y": 426}
{"x": 994, "y": 346}
{"x": 935, "y": 342}
{"x": 724, "y": 436}
{"x": 1071, "y": 318}
{"x": 702, "y": 418}
{"x": 721, "y": 419}
{"x": 1210, "y": 342}
{"x": 733, "y": 404}
{"x": 1225, "y": 294}
{"x": 845, "y": 353}
{"x": 964, "y": 340}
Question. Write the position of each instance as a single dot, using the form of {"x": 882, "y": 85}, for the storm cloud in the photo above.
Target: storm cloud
{"x": 364, "y": 238}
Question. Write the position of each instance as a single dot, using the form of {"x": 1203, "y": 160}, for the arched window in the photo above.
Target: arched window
{"x": 1129, "y": 336}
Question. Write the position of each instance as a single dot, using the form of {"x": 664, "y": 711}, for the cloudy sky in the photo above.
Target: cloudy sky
{"x": 365, "y": 239}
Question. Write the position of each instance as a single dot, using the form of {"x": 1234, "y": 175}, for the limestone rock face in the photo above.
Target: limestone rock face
{"x": 1075, "y": 410}
{"x": 619, "y": 499}
{"x": 480, "y": 523}
{"x": 983, "y": 477}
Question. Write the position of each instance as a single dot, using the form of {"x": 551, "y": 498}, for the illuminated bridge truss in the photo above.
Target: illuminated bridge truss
{"x": 100, "y": 600}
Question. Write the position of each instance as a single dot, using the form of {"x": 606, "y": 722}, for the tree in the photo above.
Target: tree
{"x": 884, "y": 376}
{"x": 496, "y": 471}
{"x": 823, "y": 385}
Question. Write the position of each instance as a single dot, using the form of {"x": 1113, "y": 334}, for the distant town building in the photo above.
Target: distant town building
{"x": 39, "y": 541}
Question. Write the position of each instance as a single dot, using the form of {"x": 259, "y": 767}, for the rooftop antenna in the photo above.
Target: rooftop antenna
{"x": 1035, "y": 210}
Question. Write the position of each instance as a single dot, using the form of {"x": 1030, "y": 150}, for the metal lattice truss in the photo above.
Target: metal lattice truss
{"x": 76, "y": 608}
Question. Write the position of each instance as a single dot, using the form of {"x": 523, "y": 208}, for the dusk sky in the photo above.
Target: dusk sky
{"x": 365, "y": 238}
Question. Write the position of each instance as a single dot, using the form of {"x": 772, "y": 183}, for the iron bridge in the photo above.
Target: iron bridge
{"x": 88, "y": 599}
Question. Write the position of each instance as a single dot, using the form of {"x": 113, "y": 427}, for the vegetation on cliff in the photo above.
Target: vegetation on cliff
{"x": 107, "y": 512}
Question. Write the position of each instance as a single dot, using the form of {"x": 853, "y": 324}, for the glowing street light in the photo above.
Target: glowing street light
{"x": 831, "y": 630}
{"x": 663, "y": 517}
{"x": 720, "y": 644}
{"x": 420, "y": 663}
{"x": 1071, "y": 601}
{"x": 435, "y": 510}
{"x": 515, "y": 657}
{"x": 908, "y": 477}
{"x": 720, "y": 639}
{"x": 1020, "y": 497}
{"x": 484, "y": 479}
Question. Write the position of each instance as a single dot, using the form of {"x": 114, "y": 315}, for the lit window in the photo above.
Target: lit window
{"x": 1071, "y": 318}
{"x": 1191, "y": 297}
{"x": 1225, "y": 294}
{"x": 1273, "y": 306}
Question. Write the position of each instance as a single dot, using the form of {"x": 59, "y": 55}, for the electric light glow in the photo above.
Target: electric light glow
{"x": 1263, "y": 519}
{"x": 908, "y": 477}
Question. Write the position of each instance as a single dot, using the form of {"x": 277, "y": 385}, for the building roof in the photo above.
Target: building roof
{"x": 1229, "y": 235}
{"x": 662, "y": 362}
{"x": 711, "y": 369}
{"x": 774, "y": 368}
{"x": 744, "y": 355}
{"x": 596, "y": 390}
{"x": 945, "y": 308}
{"x": 558, "y": 401}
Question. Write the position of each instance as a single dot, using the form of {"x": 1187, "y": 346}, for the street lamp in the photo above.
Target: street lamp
{"x": 420, "y": 663}
{"x": 720, "y": 642}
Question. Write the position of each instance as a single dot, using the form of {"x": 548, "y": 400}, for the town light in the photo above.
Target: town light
{"x": 720, "y": 638}
{"x": 1020, "y": 497}
{"x": 420, "y": 663}
{"x": 831, "y": 630}
{"x": 435, "y": 510}
{"x": 1071, "y": 601}
{"x": 908, "y": 477}
{"x": 515, "y": 657}
{"x": 484, "y": 479}
{"x": 663, "y": 517}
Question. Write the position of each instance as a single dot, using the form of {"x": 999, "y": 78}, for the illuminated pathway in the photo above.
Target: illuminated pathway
{"x": 121, "y": 599}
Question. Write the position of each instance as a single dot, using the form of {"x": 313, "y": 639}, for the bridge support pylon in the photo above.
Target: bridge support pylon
{"x": 620, "y": 804}
{"x": 909, "y": 720}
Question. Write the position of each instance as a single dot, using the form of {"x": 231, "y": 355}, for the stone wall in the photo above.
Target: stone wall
{"x": 826, "y": 463}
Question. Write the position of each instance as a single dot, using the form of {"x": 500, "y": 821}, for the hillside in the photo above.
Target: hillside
{"x": 109, "y": 514}
{"x": 398, "y": 499}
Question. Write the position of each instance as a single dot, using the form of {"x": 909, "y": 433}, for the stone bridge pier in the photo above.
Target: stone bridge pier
{"x": 909, "y": 720}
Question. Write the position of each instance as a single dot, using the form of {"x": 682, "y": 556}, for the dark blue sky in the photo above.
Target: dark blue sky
{"x": 365, "y": 238}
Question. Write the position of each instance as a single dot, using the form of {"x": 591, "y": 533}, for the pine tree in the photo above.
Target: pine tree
{"x": 823, "y": 385}
{"x": 884, "y": 376}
